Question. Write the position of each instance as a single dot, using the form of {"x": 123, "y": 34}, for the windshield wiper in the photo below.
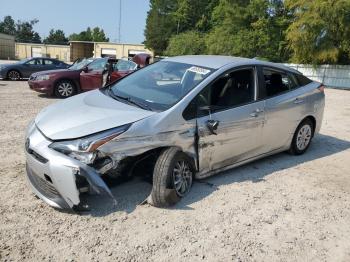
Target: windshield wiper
{"x": 131, "y": 101}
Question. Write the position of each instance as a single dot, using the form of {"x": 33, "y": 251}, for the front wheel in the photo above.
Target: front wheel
{"x": 14, "y": 75}
{"x": 172, "y": 178}
{"x": 65, "y": 89}
{"x": 302, "y": 137}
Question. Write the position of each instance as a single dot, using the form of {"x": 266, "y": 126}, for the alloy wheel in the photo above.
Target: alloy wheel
{"x": 14, "y": 75}
{"x": 65, "y": 89}
{"x": 304, "y": 137}
{"x": 182, "y": 178}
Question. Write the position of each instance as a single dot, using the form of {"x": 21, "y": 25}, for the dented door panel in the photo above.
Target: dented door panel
{"x": 238, "y": 136}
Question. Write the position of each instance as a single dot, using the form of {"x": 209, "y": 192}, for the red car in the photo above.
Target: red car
{"x": 83, "y": 75}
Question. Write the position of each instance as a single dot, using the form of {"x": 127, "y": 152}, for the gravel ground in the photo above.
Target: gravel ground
{"x": 282, "y": 208}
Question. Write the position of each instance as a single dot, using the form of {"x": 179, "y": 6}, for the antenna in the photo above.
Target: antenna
{"x": 120, "y": 21}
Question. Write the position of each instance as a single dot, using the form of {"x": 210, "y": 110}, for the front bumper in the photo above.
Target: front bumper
{"x": 53, "y": 176}
{"x": 2, "y": 74}
{"x": 44, "y": 86}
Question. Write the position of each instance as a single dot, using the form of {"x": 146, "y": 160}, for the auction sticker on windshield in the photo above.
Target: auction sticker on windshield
{"x": 199, "y": 70}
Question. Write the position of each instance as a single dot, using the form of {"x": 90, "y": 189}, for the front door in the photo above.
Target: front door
{"x": 33, "y": 66}
{"x": 121, "y": 69}
{"x": 91, "y": 78}
{"x": 231, "y": 130}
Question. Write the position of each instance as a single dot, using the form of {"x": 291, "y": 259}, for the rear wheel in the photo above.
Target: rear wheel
{"x": 172, "y": 178}
{"x": 64, "y": 89}
{"x": 14, "y": 75}
{"x": 302, "y": 137}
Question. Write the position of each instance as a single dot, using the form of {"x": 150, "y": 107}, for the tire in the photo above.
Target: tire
{"x": 302, "y": 137}
{"x": 172, "y": 169}
{"x": 13, "y": 75}
{"x": 65, "y": 88}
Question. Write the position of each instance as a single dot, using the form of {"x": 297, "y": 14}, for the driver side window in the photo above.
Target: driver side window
{"x": 98, "y": 65}
{"x": 228, "y": 91}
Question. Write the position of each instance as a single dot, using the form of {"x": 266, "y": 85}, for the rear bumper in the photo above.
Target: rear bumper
{"x": 45, "y": 86}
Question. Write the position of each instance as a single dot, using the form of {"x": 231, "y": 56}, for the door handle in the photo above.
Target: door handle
{"x": 298, "y": 101}
{"x": 256, "y": 112}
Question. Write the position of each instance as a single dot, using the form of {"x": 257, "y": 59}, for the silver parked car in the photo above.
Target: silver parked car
{"x": 178, "y": 119}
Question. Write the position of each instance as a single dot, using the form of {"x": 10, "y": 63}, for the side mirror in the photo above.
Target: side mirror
{"x": 211, "y": 124}
{"x": 85, "y": 69}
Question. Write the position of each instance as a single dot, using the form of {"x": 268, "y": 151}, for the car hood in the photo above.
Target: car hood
{"x": 8, "y": 65}
{"x": 86, "y": 114}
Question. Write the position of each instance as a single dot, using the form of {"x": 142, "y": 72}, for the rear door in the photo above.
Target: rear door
{"x": 285, "y": 105}
{"x": 92, "y": 78}
{"x": 240, "y": 118}
{"x": 49, "y": 64}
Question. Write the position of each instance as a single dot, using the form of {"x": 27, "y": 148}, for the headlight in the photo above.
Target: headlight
{"x": 84, "y": 149}
{"x": 30, "y": 127}
{"x": 42, "y": 77}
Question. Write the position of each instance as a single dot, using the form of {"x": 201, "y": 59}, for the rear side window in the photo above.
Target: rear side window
{"x": 48, "y": 62}
{"x": 277, "y": 82}
{"x": 302, "y": 80}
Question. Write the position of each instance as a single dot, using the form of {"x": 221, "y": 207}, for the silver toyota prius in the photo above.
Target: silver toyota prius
{"x": 177, "y": 120}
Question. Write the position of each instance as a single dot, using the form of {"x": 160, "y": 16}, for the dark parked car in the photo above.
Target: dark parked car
{"x": 84, "y": 75}
{"x": 28, "y": 66}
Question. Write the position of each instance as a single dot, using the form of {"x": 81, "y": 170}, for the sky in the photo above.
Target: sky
{"x": 74, "y": 16}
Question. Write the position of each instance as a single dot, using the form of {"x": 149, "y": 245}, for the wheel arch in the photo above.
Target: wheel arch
{"x": 137, "y": 159}
{"x": 313, "y": 120}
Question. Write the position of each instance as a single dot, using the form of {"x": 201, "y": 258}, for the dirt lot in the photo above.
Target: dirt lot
{"x": 283, "y": 208}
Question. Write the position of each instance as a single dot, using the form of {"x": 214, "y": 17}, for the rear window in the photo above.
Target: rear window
{"x": 302, "y": 80}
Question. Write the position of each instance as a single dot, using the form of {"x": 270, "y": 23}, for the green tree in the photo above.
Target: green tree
{"x": 250, "y": 29}
{"x": 8, "y": 26}
{"x": 22, "y": 30}
{"x": 320, "y": 32}
{"x": 167, "y": 18}
{"x": 82, "y": 36}
{"x": 160, "y": 25}
{"x": 194, "y": 15}
{"x": 188, "y": 43}
{"x": 56, "y": 37}
{"x": 25, "y": 32}
{"x": 96, "y": 35}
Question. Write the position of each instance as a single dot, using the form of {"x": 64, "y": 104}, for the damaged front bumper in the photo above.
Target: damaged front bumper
{"x": 55, "y": 177}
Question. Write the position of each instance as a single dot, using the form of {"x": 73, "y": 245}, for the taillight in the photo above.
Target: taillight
{"x": 321, "y": 88}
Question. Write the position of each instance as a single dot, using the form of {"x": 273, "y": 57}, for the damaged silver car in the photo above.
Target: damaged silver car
{"x": 179, "y": 119}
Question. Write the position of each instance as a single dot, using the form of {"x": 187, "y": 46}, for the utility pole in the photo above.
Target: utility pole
{"x": 120, "y": 21}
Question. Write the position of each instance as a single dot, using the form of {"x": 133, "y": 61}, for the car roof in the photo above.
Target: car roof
{"x": 217, "y": 61}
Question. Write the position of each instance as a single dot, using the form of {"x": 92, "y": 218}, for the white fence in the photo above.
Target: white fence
{"x": 336, "y": 76}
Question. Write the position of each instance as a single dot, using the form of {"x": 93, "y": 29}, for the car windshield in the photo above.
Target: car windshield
{"x": 79, "y": 64}
{"x": 159, "y": 86}
{"x": 24, "y": 60}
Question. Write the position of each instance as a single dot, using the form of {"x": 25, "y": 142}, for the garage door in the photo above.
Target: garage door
{"x": 108, "y": 52}
{"x": 36, "y": 52}
{"x": 132, "y": 53}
